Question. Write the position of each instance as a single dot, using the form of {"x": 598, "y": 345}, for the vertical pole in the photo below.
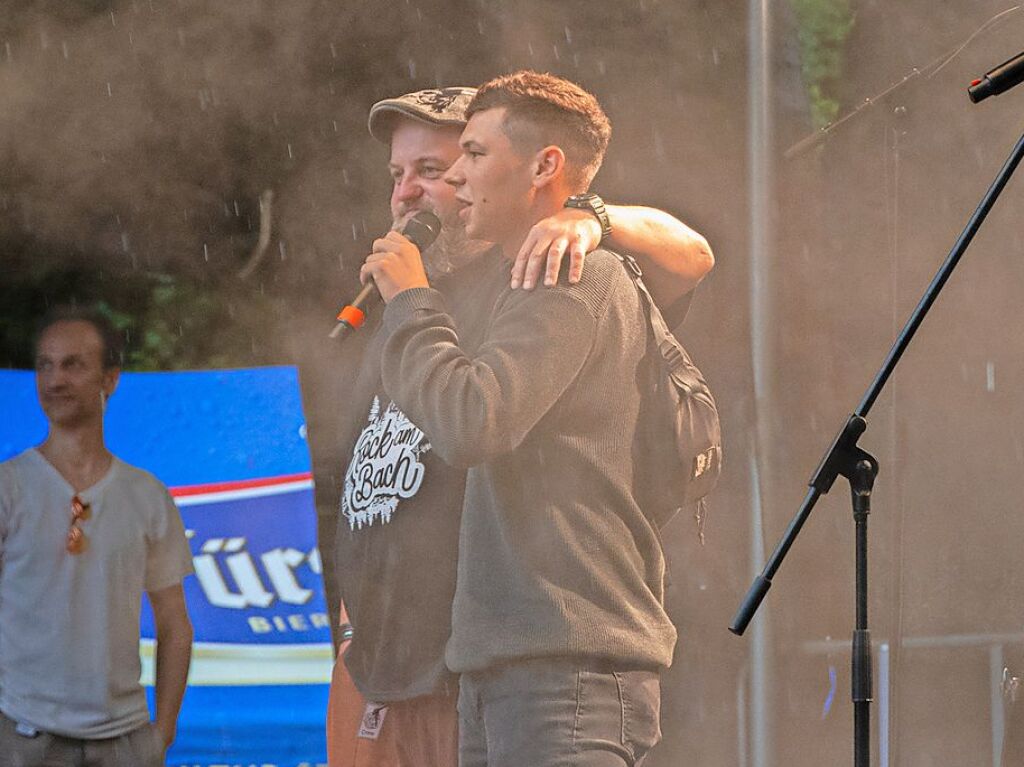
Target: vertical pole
{"x": 762, "y": 293}
{"x": 883, "y": 705}
{"x": 995, "y": 672}
{"x": 742, "y": 734}
{"x": 763, "y": 355}
{"x": 894, "y": 130}
{"x": 759, "y": 735}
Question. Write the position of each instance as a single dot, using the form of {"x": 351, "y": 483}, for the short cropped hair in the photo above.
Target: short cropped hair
{"x": 542, "y": 109}
{"x": 111, "y": 338}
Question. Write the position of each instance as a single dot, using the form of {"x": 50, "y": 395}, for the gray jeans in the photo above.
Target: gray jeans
{"x": 142, "y": 747}
{"x": 557, "y": 713}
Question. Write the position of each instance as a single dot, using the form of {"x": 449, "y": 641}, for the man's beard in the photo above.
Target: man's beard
{"x": 451, "y": 250}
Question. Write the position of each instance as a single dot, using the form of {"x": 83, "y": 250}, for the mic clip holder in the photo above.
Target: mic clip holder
{"x": 844, "y": 458}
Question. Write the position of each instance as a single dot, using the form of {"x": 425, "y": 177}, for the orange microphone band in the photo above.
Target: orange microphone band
{"x": 352, "y": 316}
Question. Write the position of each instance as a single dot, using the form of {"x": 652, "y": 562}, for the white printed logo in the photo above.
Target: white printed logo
{"x": 385, "y": 466}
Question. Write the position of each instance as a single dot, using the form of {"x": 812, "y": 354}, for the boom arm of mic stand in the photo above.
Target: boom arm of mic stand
{"x": 841, "y": 458}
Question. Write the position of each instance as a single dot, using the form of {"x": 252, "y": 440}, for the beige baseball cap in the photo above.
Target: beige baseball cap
{"x": 435, "y": 106}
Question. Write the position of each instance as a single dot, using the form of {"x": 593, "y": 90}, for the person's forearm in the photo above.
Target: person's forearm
{"x": 475, "y": 408}
{"x": 673, "y": 256}
{"x": 173, "y": 655}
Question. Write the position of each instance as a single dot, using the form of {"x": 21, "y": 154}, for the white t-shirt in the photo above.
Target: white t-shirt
{"x": 69, "y": 624}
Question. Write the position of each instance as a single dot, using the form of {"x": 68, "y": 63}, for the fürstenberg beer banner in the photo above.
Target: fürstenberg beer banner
{"x": 231, "y": 446}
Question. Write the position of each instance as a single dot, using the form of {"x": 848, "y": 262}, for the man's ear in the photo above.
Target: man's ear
{"x": 110, "y": 380}
{"x": 548, "y": 166}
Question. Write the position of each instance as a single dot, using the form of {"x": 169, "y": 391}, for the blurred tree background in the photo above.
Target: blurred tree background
{"x": 138, "y": 138}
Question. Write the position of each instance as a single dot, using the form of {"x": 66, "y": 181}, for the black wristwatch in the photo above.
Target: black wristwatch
{"x": 595, "y": 205}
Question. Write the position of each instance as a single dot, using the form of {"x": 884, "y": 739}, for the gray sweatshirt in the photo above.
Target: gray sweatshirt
{"x": 556, "y": 558}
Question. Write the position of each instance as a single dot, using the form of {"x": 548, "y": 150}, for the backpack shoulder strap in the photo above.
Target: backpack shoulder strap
{"x": 670, "y": 348}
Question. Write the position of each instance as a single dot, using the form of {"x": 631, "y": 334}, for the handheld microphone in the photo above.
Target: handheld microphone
{"x": 1002, "y": 78}
{"x": 421, "y": 230}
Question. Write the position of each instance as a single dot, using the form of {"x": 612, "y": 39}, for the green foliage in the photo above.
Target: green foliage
{"x": 822, "y": 29}
{"x": 184, "y": 324}
{"x": 169, "y": 322}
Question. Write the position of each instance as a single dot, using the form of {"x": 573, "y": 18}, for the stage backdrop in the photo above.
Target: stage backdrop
{"x": 231, "y": 446}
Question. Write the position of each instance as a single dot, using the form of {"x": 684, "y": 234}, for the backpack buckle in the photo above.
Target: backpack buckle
{"x": 631, "y": 263}
{"x": 671, "y": 354}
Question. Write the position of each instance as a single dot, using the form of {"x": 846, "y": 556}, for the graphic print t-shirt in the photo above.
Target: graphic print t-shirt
{"x": 386, "y": 466}
{"x": 400, "y": 510}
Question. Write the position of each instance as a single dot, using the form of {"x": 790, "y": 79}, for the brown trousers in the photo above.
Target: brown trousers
{"x": 422, "y": 732}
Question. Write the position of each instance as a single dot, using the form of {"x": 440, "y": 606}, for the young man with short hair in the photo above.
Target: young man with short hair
{"x": 558, "y": 626}
{"x": 82, "y": 534}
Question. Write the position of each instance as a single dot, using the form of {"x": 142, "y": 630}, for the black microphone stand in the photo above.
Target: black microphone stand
{"x": 846, "y": 458}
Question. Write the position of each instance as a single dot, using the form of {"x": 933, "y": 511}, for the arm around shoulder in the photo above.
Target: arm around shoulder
{"x": 674, "y": 257}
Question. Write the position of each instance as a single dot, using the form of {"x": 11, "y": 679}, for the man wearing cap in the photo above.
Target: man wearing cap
{"x": 400, "y": 510}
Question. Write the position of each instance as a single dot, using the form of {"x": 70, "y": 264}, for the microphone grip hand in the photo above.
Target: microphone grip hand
{"x": 394, "y": 265}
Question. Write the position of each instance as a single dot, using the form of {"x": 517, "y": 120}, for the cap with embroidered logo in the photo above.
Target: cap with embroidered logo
{"x": 435, "y": 106}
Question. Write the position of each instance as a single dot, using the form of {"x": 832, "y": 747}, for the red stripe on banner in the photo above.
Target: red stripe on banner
{"x": 241, "y": 484}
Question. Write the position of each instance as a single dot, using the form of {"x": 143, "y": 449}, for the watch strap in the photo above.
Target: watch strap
{"x": 595, "y": 205}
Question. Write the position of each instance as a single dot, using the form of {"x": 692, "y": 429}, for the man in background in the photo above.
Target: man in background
{"x": 82, "y": 535}
{"x": 398, "y": 532}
